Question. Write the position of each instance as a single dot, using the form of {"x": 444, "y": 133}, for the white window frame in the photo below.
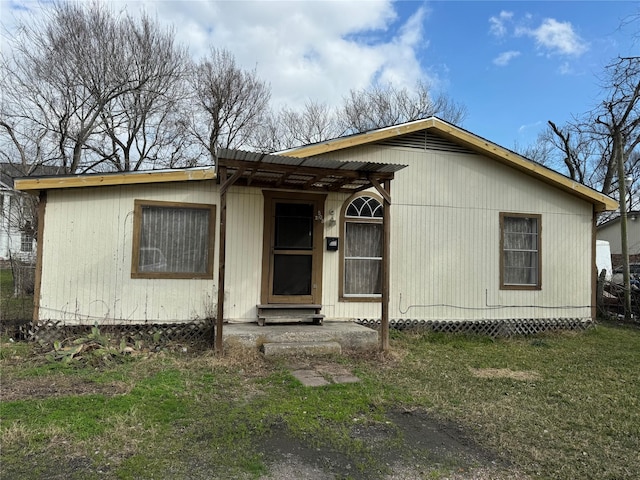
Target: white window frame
{"x": 365, "y": 215}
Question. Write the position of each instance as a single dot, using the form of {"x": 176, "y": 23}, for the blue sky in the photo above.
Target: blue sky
{"x": 518, "y": 64}
{"x": 514, "y": 65}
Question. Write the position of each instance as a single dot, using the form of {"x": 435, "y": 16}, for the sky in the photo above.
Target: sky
{"x": 514, "y": 65}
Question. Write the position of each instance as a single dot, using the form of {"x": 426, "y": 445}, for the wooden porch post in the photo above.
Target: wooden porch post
{"x": 221, "y": 259}
{"x": 386, "y": 227}
{"x": 42, "y": 206}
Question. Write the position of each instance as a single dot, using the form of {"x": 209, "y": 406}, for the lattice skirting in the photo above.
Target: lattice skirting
{"x": 151, "y": 335}
{"x": 492, "y": 328}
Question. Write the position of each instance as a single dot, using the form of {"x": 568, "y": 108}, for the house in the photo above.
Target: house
{"x": 610, "y": 232}
{"x": 421, "y": 221}
{"x": 16, "y": 233}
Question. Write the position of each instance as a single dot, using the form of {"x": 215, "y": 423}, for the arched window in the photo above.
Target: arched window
{"x": 362, "y": 248}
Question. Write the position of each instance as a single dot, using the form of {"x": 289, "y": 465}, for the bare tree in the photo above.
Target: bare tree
{"x": 587, "y": 148}
{"x": 540, "y": 151}
{"x": 601, "y": 149}
{"x": 361, "y": 111}
{"x": 230, "y": 102}
{"x": 386, "y": 105}
{"x": 79, "y": 75}
{"x": 289, "y": 128}
{"x": 144, "y": 126}
{"x": 620, "y": 119}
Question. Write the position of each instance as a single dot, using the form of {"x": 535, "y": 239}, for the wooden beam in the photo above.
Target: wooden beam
{"x": 302, "y": 170}
{"x": 229, "y": 182}
{"x": 386, "y": 264}
{"x": 313, "y": 180}
{"x": 383, "y": 192}
{"x": 360, "y": 139}
{"x": 126, "y": 178}
{"x": 42, "y": 206}
{"x": 595, "y": 274}
{"x": 221, "y": 263}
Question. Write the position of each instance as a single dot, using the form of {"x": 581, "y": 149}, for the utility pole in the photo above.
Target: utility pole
{"x": 622, "y": 189}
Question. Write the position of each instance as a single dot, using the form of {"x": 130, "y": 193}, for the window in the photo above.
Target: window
{"x": 520, "y": 261}
{"x": 361, "y": 276}
{"x": 26, "y": 242}
{"x": 173, "y": 240}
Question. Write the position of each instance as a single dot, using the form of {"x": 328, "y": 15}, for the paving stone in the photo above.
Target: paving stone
{"x": 345, "y": 379}
{"x": 310, "y": 378}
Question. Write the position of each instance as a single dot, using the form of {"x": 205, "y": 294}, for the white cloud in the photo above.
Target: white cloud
{"x": 497, "y": 25}
{"x": 505, "y": 57}
{"x": 524, "y": 128}
{"x": 565, "y": 69}
{"x": 556, "y": 38}
{"x": 317, "y": 50}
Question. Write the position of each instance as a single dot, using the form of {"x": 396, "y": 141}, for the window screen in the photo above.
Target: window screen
{"x": 173, "y": 241}
{"x": 362, "y": 268}
{"x": 520, "y": 250}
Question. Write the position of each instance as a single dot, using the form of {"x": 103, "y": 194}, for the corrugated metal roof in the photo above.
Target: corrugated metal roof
{"x": 322, "y": 174}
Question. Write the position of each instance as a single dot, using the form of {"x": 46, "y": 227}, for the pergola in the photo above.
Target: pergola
{"x": 315, "y": 174}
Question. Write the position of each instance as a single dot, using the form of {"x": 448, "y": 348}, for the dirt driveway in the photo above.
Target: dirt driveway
{"x": 409, "y": 444}
{"x": 430, "y": 449}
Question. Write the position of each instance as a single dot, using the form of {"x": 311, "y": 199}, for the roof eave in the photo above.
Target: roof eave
{"x": 34, "y": 184}
{"x": 478, "y": 144}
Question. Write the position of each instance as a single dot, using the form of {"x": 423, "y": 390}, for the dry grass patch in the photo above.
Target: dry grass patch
{"x": 58, "y": 386}
{"x": 524, "y": 375}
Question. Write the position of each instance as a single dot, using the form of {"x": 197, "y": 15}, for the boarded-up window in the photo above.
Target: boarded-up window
{"x": 173, "y": 240}
{"x": 520, "y": 251}
{"x": 362, "y": 268}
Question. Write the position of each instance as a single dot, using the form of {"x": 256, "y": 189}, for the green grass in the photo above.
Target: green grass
{"x": 576, "y": 414}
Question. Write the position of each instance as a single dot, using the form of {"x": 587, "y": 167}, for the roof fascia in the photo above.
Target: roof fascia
{"x": 359, "y": 139}
{"x": 128, "y": 178}
{"x": 478, "y": 144}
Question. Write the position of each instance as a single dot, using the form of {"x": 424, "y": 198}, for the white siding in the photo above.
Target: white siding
{"x": 445, "y": 241}
{"x": 87, "y": 249}
{"x": 445, "y": 248}
{"x": 245, "y": 218}
{"x": 611, "y": 233}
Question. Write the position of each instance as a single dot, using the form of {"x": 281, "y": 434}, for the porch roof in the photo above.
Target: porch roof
{"x": 319, "y": 174}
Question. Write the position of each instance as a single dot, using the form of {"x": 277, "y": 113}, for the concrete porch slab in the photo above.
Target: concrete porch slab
{"x": 274, "y": 349}
{"x": 349, "y": 335}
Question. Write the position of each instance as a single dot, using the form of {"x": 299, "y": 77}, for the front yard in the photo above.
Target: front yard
{"x": 437, "y": 406}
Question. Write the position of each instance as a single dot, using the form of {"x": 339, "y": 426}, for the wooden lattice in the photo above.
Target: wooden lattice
{"x": 195, "y": 333}
{"x": 491, "y": 328}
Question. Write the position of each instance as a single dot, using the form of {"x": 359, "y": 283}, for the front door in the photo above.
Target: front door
{"x": 292, "y": 255}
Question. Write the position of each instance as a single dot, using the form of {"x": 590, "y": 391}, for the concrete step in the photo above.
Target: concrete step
{"x": 289, "y": 313}
{"x": 315, "y": 319}
{"x": 274, "y": 349}
{"x": 348, "y": 334}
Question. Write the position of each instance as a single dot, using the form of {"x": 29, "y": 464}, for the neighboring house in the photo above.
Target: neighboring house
{"x": 610, "y": 232}
{"x": 473, "y": 232}
{"x": 16, "y": 237}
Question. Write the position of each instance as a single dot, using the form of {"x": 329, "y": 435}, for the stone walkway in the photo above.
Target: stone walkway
{"x": 315, "y": 378}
